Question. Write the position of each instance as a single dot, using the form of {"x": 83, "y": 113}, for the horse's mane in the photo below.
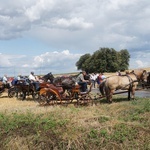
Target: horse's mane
{"x": 48, "y": 76}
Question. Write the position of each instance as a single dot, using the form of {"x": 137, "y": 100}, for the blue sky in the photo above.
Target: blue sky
{"x": 50, "y": 35}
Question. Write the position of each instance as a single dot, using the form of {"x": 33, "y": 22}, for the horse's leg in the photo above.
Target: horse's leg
{"x": 133, "y": 93}
{"x": 109, "y": 94}
{"x": 129, "y": 91}
{"x": 24, "y": 95}
{"x": 106, "y": 94}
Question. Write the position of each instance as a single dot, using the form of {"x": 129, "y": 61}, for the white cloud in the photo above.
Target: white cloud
{"x": 56, "y": 62}
{"x": 140, "y": 63}
{"x": 140, "y": 59}
{"x": 73, "y": 23}
{"x": 78, "y": 26}
{"x": 4, "y": 60}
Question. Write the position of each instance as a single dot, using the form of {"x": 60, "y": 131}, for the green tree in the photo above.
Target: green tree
{"x": 124, "y": 59}
{"x": 104, "y": 60}
{"x": 82, "y": 63}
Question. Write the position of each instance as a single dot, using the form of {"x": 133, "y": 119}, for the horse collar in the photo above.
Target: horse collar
{"x": 136, "y": 77}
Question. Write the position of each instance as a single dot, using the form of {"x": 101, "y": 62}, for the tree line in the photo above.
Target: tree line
{"x": 104, "y": 60}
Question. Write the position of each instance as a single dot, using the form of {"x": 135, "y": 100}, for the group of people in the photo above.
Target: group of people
{"x": 82, "y": 79}
{"x": 97, "y": 78}
{"x": 32, "y": 78}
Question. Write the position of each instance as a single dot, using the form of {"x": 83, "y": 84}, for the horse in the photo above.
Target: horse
{"x": 67, "y": 82}
{"x": 4, "y": 86}
{"x": 24, "y": 86}
{"x": 125, "y": 82}
{"x": 21, "y": 89}
{"x": 48, "y": 77}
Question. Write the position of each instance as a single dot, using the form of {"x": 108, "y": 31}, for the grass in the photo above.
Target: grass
{"x": 121, "y": 125}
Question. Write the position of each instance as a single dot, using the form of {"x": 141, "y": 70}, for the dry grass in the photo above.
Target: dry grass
{"x": 11, "y": 105}
{"x": 121, "y": 125}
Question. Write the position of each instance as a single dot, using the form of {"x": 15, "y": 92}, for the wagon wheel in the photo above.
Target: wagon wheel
{"x": 21, "y": 95}
{"x": 12, "y": 92}
{"x": 52, "y": 99}
{"x": 49, "y": 99}
{"x": 89, "y": 99}
{"x": 35, "y": 96}
{"x": 42, "y": 99}
{"x": 67, "y": 98}
{"x": 85, "y": 99}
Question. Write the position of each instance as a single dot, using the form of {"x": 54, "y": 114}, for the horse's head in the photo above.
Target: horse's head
{"x": 141, "y": 75}
{"x": 48, "y": 76}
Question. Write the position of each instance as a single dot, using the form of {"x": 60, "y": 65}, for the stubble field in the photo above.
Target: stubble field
{"x": 121, "y": 125}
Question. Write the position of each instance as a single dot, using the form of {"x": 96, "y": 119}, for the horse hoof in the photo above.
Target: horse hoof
{"x": 110, "y": 102}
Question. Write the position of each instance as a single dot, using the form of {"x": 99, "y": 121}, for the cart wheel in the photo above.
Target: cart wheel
{"x": 42, "y": 99}
{"x": 52, "y": 99}
{"x": 85, "y": 100}
{"x": 11, "y": 92}
{"x": 35, "y": 96}
{"x": 21, "y": 95}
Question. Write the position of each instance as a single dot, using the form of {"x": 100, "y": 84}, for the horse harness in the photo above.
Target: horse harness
{"x": 131, "y": 81}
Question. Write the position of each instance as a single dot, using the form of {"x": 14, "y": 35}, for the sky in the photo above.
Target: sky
{"x": 51, "y": 35}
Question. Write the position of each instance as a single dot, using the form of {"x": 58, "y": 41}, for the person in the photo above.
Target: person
{"x": 34, "y": 81}
{"x": 14, "y": 81}
{"x": 19, "y": 77}
{"x": 101, "y": 77}
{"x": 118, "y": 73}
{"x": 81, "y": 81}
{"x": 93, "y": 78}
{"x": 5, "y": 80}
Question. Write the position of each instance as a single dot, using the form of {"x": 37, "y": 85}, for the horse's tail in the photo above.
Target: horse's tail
{"x": 101, "y": 87}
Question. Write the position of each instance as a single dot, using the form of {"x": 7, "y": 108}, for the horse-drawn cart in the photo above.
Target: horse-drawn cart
{"x": 22, "y": 89}
{"x": 54, "y": 95}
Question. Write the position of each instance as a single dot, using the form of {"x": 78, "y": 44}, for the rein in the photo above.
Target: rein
{"x": 136, "y": 77}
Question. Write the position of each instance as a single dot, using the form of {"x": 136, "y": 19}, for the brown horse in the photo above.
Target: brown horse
{"x": 125, "y": 82}
{"x": 3, "y": 86}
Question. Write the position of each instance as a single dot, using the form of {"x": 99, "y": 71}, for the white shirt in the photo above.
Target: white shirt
{"x": 103, "y": 77}
{"x": 4, "y": 79}
{"x": 93, "y": 77}
{"x": 32, "y": 77}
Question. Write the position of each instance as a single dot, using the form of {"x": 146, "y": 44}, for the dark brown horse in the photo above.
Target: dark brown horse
{"x": 66, "y": 82}
{"x": 48, "y": 77}
{"x": 126, "y": 82}
{"x": 3, "y": 86}
{"x": 24, "y": 87}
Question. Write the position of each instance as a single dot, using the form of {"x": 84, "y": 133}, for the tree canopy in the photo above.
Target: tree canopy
{"x": 104, "y": 60}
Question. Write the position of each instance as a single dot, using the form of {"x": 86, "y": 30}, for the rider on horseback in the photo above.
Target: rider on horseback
{"x": 34, "y": 81}
{"x": 5, "y": 79}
